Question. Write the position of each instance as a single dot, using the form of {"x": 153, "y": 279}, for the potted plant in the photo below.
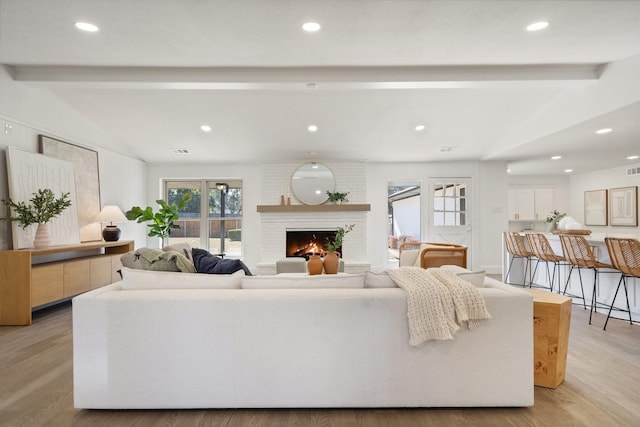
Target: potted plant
{"x": 43, "y": 207}
{"x": 553, "y": 219}
{"x": 337, "y": 197}
{"x": 331, "y": 257}
{"x": 162, "y": 222}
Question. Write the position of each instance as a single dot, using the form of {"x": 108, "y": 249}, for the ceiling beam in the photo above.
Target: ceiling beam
{"x": 357, "y": 77}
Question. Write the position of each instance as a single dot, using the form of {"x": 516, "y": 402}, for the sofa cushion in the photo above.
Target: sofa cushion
{"x": 378, "y": 279}
{"x": 474, "y": 277}
{"x": 134, "y": 279}
{"x": 298, "y": 280}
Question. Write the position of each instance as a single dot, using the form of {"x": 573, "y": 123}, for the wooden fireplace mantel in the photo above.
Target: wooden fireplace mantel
{"x": 314, "y": 208}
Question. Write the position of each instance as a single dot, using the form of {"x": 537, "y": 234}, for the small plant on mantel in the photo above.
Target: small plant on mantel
{"x": 336, "y": 242}
{"x": 337, "y": 197}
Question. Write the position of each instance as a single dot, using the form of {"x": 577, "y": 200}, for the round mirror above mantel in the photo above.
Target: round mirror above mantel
{"x": 310, "y": 183}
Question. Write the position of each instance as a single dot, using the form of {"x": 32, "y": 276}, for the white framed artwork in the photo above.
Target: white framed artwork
{"x": 27, "y": 173}
{"x": 85, "y": 166}
{"x": 624, "y": 206}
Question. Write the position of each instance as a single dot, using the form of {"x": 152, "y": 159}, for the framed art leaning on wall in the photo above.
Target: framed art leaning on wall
{"x": 595, "y": 207}
{"x": 624, "y": 206}
{"x": 85, "y": 166}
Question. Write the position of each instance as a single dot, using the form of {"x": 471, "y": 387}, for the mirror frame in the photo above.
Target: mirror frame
{"x": 310, "y": 186}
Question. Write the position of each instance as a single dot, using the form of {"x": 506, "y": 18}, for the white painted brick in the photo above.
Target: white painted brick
{"x": 350, "y": 177}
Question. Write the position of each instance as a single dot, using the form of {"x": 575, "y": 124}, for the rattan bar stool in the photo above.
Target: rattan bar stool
{"x": 518, "y": 249}
{"x": 625, "y": 256}
{"x": 579, "y": 254}
{"x": 544, "y": 252}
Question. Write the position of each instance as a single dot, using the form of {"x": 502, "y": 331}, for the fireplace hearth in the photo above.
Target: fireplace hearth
{"x": 304, "y": 243}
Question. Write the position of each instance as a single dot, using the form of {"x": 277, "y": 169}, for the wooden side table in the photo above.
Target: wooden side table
{"x": 551, "y": 321}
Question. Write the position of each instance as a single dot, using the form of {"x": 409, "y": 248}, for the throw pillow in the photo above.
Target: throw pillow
{"x": 206, "y": 262}
{"x": 183, "y": 248}
{"x": 157, "y": 260}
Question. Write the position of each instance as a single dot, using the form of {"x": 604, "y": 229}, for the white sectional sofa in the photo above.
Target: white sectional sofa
{"x": 174, "y": 342}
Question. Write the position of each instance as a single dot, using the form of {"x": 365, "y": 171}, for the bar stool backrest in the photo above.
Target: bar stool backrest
{"x": 541, "y": 247}
{"x": 624, "y": 254}
{"x": 515, "y": 244}
{"x": 577, "y": 251}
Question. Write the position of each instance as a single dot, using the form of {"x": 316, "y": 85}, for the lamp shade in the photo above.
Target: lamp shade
{"x": 111, "y": 214}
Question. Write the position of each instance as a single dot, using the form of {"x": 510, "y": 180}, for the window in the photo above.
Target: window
{"x": 220, "y": 230}
{"x": 449, "y": 204}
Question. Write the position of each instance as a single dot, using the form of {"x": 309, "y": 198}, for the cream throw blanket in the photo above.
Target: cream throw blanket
{"x": 438, "y": 302}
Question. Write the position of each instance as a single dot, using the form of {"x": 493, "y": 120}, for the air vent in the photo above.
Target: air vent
{"x": 633, "y": 171}
{"x": 179, "y": 150}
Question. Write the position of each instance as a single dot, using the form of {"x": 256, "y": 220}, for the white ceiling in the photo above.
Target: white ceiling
{"x": 485, "y": 88}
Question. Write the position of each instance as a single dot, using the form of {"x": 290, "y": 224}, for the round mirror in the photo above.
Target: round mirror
{"x": 310, "y": 183}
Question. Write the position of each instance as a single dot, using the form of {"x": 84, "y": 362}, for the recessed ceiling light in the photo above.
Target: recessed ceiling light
{"x": 537, "y": 26}
{"x": 568, "y": 170}
{"x": 603, "y": 131}
{"x": 556, "y": 157}
{"x": 205, "y": 128}
{"x": 633, "y": 157}
{"x": 85, "y": 26}
{"x": 508, "y": 170}
{"x": 311, "y": 27}
{"x": 312, "y": 128}
{"x": 419, "y": 128}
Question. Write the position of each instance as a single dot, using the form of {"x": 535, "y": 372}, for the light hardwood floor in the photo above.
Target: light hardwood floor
{"x": 602, "y": 388}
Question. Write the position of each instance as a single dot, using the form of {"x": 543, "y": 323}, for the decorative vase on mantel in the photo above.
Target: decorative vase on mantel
{"x": 314, "y": 265}
{"x": 331, "y": 262}
{"x": 42, "y": 238}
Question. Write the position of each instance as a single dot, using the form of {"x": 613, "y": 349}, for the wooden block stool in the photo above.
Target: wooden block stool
{"x": 551, "y": 321}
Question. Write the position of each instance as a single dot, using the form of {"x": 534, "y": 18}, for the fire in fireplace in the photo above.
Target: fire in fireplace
{"x": 303, "y": 243}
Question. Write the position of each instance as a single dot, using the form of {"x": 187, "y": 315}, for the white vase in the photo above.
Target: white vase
{"x": 42, "y": 239}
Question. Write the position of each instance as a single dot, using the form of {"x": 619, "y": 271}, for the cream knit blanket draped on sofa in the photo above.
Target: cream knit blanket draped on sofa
{"x": 438, "y": 302}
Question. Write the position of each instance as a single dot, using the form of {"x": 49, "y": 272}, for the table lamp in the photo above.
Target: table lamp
{"x": 111, "y": 214}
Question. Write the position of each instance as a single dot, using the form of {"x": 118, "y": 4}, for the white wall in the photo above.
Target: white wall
{"x": 32, "y": 111}
{"x": 600, "y": 180}
{"x": 489, "y": 205}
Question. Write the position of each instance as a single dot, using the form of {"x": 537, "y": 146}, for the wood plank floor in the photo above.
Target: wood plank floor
{"x": 602, "y": 388}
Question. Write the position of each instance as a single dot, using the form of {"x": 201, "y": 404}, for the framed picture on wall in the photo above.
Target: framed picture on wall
{"x": 595, "y": 207}
{"x": 624, "y": 206}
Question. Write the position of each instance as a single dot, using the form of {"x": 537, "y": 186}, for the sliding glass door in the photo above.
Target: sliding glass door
{"x": 219, "y": 229}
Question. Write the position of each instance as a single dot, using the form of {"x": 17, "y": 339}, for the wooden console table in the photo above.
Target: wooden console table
{"x": 551, "y": 321}
{"x": 26, "y": 283}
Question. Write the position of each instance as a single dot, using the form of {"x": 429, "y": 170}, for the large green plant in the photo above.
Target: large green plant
{"x": 43, "y": 207}
{"x": 333, "y": 245}
{"x": 162, "y": 222}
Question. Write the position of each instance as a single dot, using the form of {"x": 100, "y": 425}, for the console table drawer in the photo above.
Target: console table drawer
{"x": 47, "y": 283}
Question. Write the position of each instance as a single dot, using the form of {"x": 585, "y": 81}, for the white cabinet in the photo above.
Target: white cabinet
{"x": 530, "y": 204}
{"x": 521, "y": 204}
{"x": 544, "y": 205}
